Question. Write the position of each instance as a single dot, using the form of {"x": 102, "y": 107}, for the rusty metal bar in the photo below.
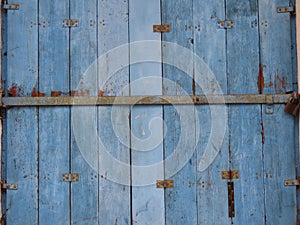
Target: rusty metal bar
{"x": 147, "y": 100}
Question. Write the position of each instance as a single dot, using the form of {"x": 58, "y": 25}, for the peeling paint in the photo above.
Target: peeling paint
{"x": 280, "y": 84}
{"x": 15, "y": 91}
{"x": 80, "y": 93}
{"x": 36, "y": 93}
{"x": 261, "y": 80}
{"x": 101, "y": 93}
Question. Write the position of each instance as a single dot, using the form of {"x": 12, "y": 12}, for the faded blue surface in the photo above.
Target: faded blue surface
{"x": 40, "y": 144}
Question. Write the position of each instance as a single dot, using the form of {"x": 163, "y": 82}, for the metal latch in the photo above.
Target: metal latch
{"x": 225, "y": 24}
{"x": 292, "y": 182}
{"x": 229, "y": 175}
{"x": 165, "y": 184}
{"x": 269, "y": 104}
{"x": 74, "y": 177}
{"x": 15, "y": 6}
{"x": 161, "y": 28}
{"x": 5, "y": 186}
{"x": 70, "y": 23}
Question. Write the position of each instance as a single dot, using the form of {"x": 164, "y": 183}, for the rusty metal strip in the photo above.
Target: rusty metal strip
{"x": 165, "y": 184}
{"x": 146, "y": 100}
{"x": 162, "y": 28}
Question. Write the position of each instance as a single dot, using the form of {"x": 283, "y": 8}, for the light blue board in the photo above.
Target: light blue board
{"x": 114, "y": 196}
{"x": 210, "y": 47}
{"x": 22, "y": 133}
{"x": 83, "y": 53}
{"x": 147, "y": 201}
{"x": 181, "y": 205}
{"x": 54, "y": 126}
{"x": 245, "y": 129}
{"x": 279, "y": 146}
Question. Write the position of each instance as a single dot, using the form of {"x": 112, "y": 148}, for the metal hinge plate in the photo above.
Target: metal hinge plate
{"x": 161, "y": 28}
{"x": 231, "y": 208}
{"x": 288, "y": 9}
{"x": 292, "y": 182}
{"x": 70, "y": 177}
{"x": 70, "y": 23}
{"x": 11, "y": 6}
{"x": 225, "y": 24}
{"x": 165, "y": 184}
{"x": 5, "y": 186}
{"x": 229, "y": 175}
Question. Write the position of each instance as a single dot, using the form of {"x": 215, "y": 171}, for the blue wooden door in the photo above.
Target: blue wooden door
{"x": 101, "y": 164}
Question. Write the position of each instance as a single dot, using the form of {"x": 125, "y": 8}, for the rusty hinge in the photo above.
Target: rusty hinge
{"x": 161, "y": 28}
{"x": 287, "y": 9}
{"x": 225, "y": 24}
{"x": 6, "y": 186}
{"x": 70, "y": 23}
{"x": 231, "y": 209}
{"x": 231, "y": 174}
{"x": 292, "y": 182}
{"x": 165, "y": 184}
{"x": 15, "y": 6}
{"x": 74, "y": 177}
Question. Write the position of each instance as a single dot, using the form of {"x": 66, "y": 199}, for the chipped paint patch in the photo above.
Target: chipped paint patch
{"x": 36, "y": 93}
{"x": 261, "y": 80}
{"x": 280, "y": 84}
{"x": 15, "y": 91}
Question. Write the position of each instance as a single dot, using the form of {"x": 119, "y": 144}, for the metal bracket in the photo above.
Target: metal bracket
{"x": 288, "y": 9}
{"x": 225, "y": 24}
{"x": 70, "y": 177}
{"x": 165, "y": 184}
{"x": 231, "y": 208}
{"x": 229, "y": 175}
{"x": 70, "y": 23}
{"x": 15, "y": 6}
{"x": 269, "y": 104}
{"x": 5, "y": 186}
{"x": 292, "y": 182}
{"x": 161, "y": 28}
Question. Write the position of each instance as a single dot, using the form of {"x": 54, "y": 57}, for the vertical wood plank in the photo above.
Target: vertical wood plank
{"x": 245, "y": 127}
{"x": 83, "y": 53}
{"x": 54, "y": 126}
{"x": 22, "y": 136}
{"x": 210, "y": 46}
{"x": 114, "y": 196}
{"x": 279, "y": 148}
{"x": 147, "y": 201}
{"x": 181, "y": 206}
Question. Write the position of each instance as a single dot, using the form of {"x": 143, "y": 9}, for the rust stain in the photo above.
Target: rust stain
{"x": 59, "y": 93}
{"x": 14, "y": 91}
{"x": 101, "y": 93}
{"x": 263, "y": 133}
{"x": 80, "y": 93}
{"x": 35, "y": 93}
{"x": 261, "y": 80}
{"x": 194, "y": 86}
{"x": 270, "y": 84}
{"x": 280, "y": 84}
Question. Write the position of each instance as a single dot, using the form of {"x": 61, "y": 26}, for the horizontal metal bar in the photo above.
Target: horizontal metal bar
{"x": 147, "y": 100}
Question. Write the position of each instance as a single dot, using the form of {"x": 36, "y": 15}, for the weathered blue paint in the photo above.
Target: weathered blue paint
{"x": 210, "y": 46}
{"x": 113, "y": 32}
{"x": 245, "y": 130}
{"x": 83, "y": 53}
{"x": 147, "y": 201}
{"x": 279, "y": 148}
{"x": 181, "y": 202}
{"x": 22, "y": 135}
{"x": 253, "y": 57}
{"x": 54, "y": 126}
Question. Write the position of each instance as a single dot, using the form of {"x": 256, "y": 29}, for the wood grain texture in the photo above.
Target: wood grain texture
{"x": 181, "y": 206}
{"x": 54, "y": 126}
{"x": 210, "y": 46}
{"x": 147, "y": 201}
{"x": 245, "y": 127}
{"x": 279, "y": 148}
{"x": 22, "y": 133}
{"x": 114, "y": 197}
{"x": 83, "y": 53}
